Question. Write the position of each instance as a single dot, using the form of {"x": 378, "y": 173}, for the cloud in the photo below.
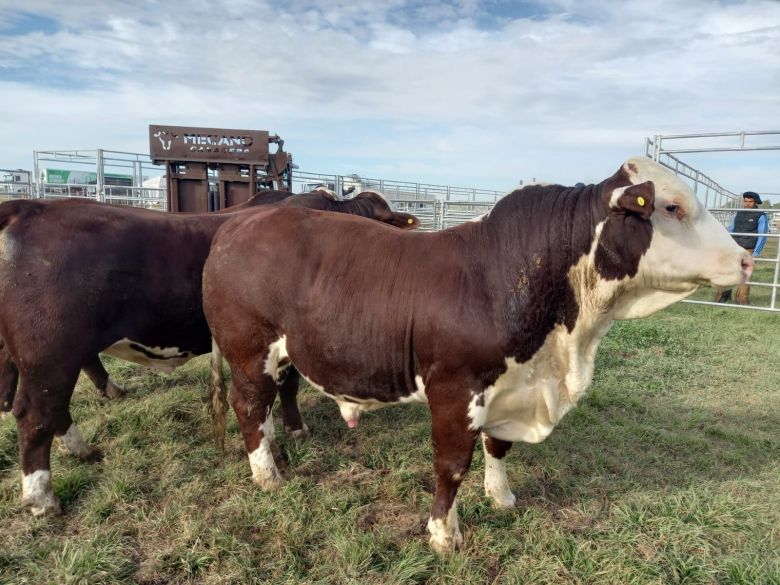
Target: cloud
{"x": 461, "y": 91}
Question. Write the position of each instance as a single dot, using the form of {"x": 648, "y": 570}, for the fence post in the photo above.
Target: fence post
{"x": 101, "y": 196}
{"x": 773, "y": 301}
{"x": 36, "y": 178}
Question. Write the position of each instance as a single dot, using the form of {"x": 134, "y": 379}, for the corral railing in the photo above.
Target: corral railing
{"x": 108, "y": 176}
{"x": 128, "y": 178}
{"x": 15, "y": 184}
{"x": 396, "y": 190}
{"x": 707, "y": 190}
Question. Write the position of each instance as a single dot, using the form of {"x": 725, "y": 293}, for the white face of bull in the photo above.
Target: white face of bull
{"x": 689, "y": 247}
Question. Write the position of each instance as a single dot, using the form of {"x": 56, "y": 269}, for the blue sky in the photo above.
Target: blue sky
{"x": 465, "y": 92}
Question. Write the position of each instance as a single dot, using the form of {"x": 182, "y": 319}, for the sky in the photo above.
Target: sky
{"x": 473, "y": 93}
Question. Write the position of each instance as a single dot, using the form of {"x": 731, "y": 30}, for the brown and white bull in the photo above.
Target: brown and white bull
{"x": 78, "y": 278}
{"x": 494, "y": 323}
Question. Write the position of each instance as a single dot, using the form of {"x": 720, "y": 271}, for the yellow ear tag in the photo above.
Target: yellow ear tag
{"x": 640, "y": 201}
{"x": 410, "y": 221}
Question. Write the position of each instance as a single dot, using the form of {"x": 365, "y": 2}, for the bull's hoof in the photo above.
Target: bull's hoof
{"x": 301, "y": 433}
{"x": 43, "y": 504}
{"x": 446, "y": 544}
{"x": 269, "y": 481}
{"x": 113, "y": 391}
{"x": 502, "y": 500}
{"x": 445, "y": 536}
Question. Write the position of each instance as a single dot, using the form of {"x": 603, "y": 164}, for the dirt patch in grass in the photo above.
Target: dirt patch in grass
{"x": 352, "y": 475}
{"x": 394, "y": 519}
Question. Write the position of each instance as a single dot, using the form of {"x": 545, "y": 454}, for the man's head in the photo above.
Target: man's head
{"x": 751, "y": 200}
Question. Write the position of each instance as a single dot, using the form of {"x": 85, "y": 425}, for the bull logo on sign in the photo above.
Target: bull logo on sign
{"x": 165, "y": 138}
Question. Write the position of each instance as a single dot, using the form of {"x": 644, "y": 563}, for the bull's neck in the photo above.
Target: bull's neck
{"x": 539, "y": 237}
{"x": 547, "y": 228}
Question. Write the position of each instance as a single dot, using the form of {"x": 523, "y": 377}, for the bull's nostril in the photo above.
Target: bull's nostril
{"x": 748, "y": 263}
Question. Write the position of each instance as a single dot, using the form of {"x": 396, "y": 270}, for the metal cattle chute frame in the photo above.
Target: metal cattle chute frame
{"x": 721, "y": 202}
{"x": 208, "y": 169}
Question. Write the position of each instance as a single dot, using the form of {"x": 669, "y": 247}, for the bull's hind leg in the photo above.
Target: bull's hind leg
{"x": 288, "y": 396}
{"x": 41, "y": 411}
{"x": 496, "y": 482}
{"x": 9, "y": 377}
{"x": 252, "y": 398}
{"x": 453, "y": 447}
{"x": 103, "y": 383}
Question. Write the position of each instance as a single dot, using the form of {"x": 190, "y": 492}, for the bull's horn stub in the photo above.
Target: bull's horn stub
{"x": 640, "y": 200}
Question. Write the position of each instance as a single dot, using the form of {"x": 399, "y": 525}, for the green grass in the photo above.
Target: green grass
{"x": 668, "y": 472}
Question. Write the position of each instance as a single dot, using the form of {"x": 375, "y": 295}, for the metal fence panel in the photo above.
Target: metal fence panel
{"x": 437, "y": 206}
{"x": 15, "y": 184}
{"x": 457, "y": 212}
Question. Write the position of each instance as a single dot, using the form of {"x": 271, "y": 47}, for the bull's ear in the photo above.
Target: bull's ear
{"x": 636, "y": 199}
{"x": 405, "y": 221}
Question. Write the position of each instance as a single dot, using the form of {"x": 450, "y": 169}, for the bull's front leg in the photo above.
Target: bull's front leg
{"x": 252, "y": 400}
{"x": 453, "y": 447}
{"x": 496, "y": 482}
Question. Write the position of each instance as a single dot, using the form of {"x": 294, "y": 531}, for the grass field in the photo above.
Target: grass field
{"x": 668, "y": 472}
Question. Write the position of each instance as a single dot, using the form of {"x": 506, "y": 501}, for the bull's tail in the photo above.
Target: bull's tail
{"x": 218, "y": 404}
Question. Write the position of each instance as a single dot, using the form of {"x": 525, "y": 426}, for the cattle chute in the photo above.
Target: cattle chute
{"x": 208, "y": 169}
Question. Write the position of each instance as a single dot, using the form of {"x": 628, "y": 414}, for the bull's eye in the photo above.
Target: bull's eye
{"x": 672, "y": 208}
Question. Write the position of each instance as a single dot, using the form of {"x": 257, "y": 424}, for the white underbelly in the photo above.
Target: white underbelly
{"x": 165, "y": 359}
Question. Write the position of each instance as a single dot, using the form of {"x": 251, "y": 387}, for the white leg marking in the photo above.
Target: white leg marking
{"x": 496, "y": 482}
{"x": 38, "y": 493}
{"x": 445, "y": 532}
{"x": 74, "y": 444}
{"x": 261, "y": 460}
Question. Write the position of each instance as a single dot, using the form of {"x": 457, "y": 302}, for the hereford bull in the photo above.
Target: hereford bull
{"x": 78, "y": 278}
{"x": 494, "y": 324}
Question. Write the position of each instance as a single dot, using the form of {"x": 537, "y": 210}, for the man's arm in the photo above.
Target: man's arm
{"x": 763, "y": 227}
